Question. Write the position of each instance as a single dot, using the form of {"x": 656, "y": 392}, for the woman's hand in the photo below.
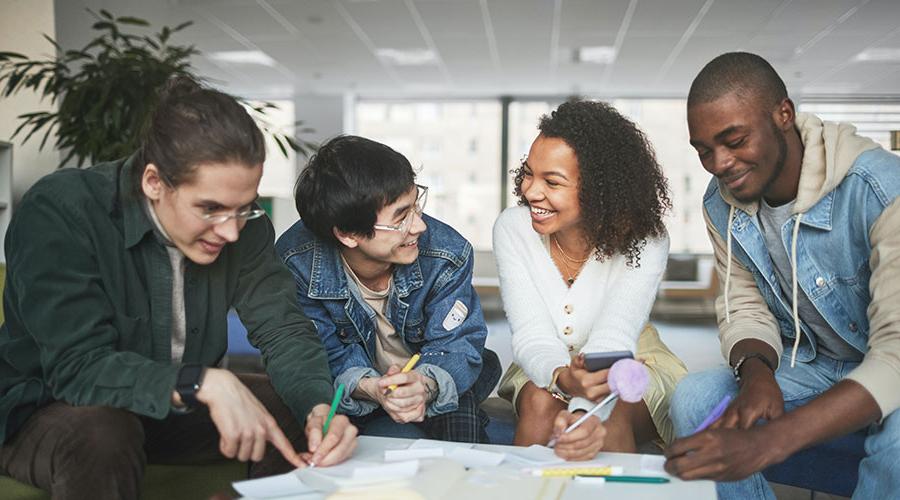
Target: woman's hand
{"x": 576, "y": 380}
{"x": 584, "y": 442}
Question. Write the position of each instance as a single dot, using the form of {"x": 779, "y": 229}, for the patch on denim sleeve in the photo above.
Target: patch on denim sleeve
{"x": 456, "y": 316}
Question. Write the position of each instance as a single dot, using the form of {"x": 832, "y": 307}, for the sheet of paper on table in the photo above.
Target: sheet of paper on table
{"x": 653, "y": 464}
{"x": 431, "y": 444}
{"x": 352, "y": 473}
{"x": 458, "y": 452}
{"x": 272, "y": 486}
{"x": 534, "y": 455}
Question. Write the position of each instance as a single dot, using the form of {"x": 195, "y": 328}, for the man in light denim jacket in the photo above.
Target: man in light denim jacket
{"x": 383, "y": 281}
{"x": 805, "y": 224}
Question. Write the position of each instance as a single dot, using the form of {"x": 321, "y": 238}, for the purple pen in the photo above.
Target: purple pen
{"x": 714, "y": 415}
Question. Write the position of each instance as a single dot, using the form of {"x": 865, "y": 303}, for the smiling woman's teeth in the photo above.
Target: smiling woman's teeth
{"x": 540, "y": 211}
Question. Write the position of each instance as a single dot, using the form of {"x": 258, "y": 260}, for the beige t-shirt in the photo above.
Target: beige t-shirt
{"x": 389, "y": 347}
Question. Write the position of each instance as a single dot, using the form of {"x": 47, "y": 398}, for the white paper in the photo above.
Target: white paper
{"x": 272, "y": 486}
{"x": 412, "y": 454}
{"x": 447, "y": 446}
{"x": 387, "y": 472}
{"x": 534, "y": 455}
{"x": 476, "y": 458}
{"x": 653, "y": 463}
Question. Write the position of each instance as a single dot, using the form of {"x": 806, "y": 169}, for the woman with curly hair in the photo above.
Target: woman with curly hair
{"x": 580, "y": 261}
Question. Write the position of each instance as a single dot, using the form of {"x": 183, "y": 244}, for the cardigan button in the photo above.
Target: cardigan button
{"x": 567, "y": 330}
{"x": 568, "y": 308}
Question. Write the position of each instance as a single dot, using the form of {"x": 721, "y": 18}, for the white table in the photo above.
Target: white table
{"x": 372, "y": 449}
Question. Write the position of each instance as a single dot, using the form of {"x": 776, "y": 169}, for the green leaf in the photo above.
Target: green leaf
{"x": 105, "y": 13}
{"x": 52, "y": 42}
{"x": 5, "y": 56}
{"x": 104, "y": 25}
{"x": 134, "y": 21}
{"x": 182, "y": 26}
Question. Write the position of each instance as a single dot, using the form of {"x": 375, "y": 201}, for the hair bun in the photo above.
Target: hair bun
{"x": 179, "y": 86}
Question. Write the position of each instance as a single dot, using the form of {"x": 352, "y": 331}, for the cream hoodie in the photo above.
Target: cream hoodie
{"x": 829, "y": 152}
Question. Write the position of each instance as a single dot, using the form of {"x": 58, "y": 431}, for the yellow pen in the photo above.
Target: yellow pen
{"x": 577, "y": 471}
{"x": 409, "y": 366}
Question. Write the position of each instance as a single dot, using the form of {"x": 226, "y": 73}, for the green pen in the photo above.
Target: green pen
{"x": 634, "y": 479}
{"x": 334, "y": 405}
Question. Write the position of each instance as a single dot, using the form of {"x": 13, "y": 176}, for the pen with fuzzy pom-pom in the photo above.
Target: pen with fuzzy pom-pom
{"x": 628, "y": 379}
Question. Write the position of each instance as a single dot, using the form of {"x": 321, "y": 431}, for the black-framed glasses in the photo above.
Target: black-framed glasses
{"x": 406, "y": 223}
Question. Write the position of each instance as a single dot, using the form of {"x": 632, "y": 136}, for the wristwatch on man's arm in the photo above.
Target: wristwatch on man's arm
{"x": 187, "y": 384}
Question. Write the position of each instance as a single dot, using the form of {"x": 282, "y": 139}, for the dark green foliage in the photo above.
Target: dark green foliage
{"x": 107, "y": 90}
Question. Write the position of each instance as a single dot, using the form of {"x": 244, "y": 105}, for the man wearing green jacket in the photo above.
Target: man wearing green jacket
{"x": 118, "y": 283}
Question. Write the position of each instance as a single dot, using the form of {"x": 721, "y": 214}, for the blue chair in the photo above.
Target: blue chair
{"x": 831, "y": 467}
{"x": 237, "y": 337}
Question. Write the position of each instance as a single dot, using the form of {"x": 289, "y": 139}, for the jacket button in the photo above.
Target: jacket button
{"x": 568, "y": 308}
{"x": 567, "y": 330}
{"x": 342, "y": 334}
{"x": 820, "y": 282}
{"x": 852, "y": 326}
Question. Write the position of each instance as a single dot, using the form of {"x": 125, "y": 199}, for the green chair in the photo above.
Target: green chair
{"x": 161, "y": 482}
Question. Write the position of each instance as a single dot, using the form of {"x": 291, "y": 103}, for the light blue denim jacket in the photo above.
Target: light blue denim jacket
{"x": 833, "y": 249}
{"x": 421, "y": 297}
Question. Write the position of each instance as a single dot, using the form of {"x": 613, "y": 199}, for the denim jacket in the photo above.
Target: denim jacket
{"x": 420, "y": 299}
{"x": 833, "y": 249}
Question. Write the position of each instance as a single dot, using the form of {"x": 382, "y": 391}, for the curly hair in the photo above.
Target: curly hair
{"x": 623, "y": 193}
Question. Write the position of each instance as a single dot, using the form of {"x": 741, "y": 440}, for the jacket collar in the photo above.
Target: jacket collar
{"x": 137, "y": 223}
{"x": 329, "y": 281}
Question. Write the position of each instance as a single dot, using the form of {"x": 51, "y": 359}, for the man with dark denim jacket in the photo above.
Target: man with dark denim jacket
{"x": 382, "y": 282}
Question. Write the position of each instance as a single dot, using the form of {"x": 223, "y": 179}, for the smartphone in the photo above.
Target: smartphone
{"x": 595, "y": 361}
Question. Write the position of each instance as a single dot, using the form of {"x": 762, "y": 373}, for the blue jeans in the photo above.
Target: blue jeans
{"x": 698, "y": 393}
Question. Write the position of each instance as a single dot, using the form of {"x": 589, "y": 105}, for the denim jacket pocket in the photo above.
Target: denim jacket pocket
{"x": 345, "y": 332}
{"x": 414, "y": 331}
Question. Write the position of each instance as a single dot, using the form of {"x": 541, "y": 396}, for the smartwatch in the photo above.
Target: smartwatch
{"x": 190, "y": 377}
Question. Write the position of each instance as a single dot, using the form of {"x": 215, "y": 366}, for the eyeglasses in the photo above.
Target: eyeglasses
{"x": 406, "y": 223}
{"x": 216, "y": 218}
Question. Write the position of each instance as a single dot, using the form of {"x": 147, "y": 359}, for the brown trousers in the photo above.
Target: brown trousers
{"x": 99, "y": 452}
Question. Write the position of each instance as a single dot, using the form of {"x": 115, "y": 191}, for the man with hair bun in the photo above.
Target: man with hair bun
{"x": 803, "y": 216}
{"x": 119, "y": 278}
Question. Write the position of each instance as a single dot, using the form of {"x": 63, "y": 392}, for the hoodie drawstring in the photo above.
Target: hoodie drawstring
{"x": 796, "y": 233}
{"x": 728, "y": 265}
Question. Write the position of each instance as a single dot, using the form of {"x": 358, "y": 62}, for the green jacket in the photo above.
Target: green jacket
{"x": 88, "y": 304}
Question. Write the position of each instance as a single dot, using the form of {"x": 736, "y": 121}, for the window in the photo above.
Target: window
{"x": 872, "y": 120}
{"x": 450, "y": 143}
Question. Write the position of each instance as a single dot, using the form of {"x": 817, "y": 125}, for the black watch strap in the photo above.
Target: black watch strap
{"x": 747, "y": 357}
{"x": 190, "y": 377}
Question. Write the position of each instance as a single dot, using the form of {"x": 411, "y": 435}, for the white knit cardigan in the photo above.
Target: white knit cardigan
{"x": 604, "y": 310}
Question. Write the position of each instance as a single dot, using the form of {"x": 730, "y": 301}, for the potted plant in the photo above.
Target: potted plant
{"x": 107, "y": 90}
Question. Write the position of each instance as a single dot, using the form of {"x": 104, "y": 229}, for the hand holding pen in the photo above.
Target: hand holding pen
{"x": 331, "y": 437}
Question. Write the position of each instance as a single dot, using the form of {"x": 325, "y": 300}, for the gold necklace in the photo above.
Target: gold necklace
{"x": 570, "y": 276}
{"x": 566, "y": 256}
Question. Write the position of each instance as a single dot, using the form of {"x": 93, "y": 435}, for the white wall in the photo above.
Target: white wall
{"x": 22, "y": 26}
{"x": 324, "y": 114}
